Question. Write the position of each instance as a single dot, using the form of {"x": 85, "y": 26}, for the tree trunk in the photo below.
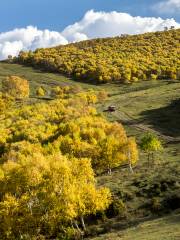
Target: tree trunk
{"x": 109, "y": 171}
{"x": 130, "y": 167}
{"x": 72, "y": 225}
{"x": 148, "y": 159}
{"x": 83, "y": 224}
{"x": 130, "y": 164}
{"x": 77, "y": 227}
{"x": 153, "y": 158}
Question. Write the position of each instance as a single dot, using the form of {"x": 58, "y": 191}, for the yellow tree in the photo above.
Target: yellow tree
{"x": 15, "y": 86}
{"x": 102, "y": 95}
{"x": 41, "y": 193}
{"x": 6, "y": 102}
{"x": 111, "y": 154}
{"x": 150, "y": 144}
{"x": 88, "y": 199}
{"x": 132, "y": 153}
{"x": 40, "y": 92}
{"x": 88, "y": 97}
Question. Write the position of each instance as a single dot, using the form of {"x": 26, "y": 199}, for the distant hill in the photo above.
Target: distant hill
{"x": 120, "y": 59}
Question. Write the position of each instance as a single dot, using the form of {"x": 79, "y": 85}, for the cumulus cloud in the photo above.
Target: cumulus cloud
{"x": 168, "y": 6}
{"x": 93, "y": 25}
{"x": 103, "y": 24}
{"x": 10, "y": 48}
{"x": 28, "y": 38}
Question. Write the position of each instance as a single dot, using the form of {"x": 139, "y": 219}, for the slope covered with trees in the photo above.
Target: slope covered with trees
{"x": 49, "y": 153}
{"x": 51, "y": 148}
{"x": 120, "y": 59}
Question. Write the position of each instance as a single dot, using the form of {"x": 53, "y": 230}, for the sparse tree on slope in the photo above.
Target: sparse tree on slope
{"x": 150, "y": 144}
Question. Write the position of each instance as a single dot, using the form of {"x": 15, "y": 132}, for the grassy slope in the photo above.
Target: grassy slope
{"x": 146, "y": 106}
{"x": 142, "y": 107}
{"x": 36, "y": 77}
{"x": 164, "y": 228}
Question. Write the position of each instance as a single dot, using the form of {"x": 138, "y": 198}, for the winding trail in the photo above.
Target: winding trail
{"x": 126, "y": 119}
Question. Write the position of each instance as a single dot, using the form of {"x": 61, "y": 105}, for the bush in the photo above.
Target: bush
{"x": 155, "y": 204}
{"x": 153, "y": 76}
{"x": 102, "y": 95}
{"x": 16, "y": 87}
{"x": 40, "y": 92}
{"x": 116, "y": 208}
{"x": 57, "y": 92}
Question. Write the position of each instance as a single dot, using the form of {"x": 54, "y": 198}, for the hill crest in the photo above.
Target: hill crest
{"x": 120, "y": 59}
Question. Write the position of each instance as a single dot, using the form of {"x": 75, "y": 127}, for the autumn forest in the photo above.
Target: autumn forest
{"x": 80, "y": 152}
{"x": 120, "y": 59}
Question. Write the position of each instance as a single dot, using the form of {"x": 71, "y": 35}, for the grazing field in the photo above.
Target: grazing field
{"x": 164, "y": 228}
{"x": 148, "y": 106}
{"x": 36, "y": 77}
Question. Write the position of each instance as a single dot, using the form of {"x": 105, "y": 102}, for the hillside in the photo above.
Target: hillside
{"x": 90, "y": 120}
{"x": 39, "y": 126}
{"x": 120, "y": 59}
{"x": 164, "y": 228}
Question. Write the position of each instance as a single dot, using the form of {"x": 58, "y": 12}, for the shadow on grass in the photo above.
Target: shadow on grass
{"x": 166, "y": 119}
{"x": 175, "y": 218}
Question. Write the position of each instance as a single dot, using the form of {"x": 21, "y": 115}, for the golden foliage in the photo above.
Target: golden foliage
{"x": 16, "y": 87}
{"x": 49, "y": 153}
{"x": 40, "y": 92}
{"x": 124, "y": 59}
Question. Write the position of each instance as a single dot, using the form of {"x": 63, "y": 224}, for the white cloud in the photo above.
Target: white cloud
{"x": 103, "y": 24}
{"x": 168, "y": 6}
{"x": 93, "y": 25}
{"x": 28, "y": 38}
{"x": 47, "y": 38}
{"x": 10, "y": 48}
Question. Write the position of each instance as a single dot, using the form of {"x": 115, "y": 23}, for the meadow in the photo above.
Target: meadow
{"x": 141, "y": 107}
{"x": 162, "y": 228}
{"x": 147, "y": 106}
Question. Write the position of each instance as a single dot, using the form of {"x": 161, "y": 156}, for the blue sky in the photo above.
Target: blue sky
{"x": 30, "y": 24}
{"x": 57, "y": 14}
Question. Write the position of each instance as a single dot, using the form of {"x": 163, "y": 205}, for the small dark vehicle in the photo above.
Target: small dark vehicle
{"x": 111, "y": 109}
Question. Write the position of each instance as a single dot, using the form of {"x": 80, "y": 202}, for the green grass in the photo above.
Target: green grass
{"x": 37, "y": 78}
{"x": 164, "y": 228}
{"x": 141, "y": 107}
{"x": 148, "y": 102}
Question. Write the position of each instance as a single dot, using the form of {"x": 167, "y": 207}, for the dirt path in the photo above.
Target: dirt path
{"x": 129, "y": 120}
